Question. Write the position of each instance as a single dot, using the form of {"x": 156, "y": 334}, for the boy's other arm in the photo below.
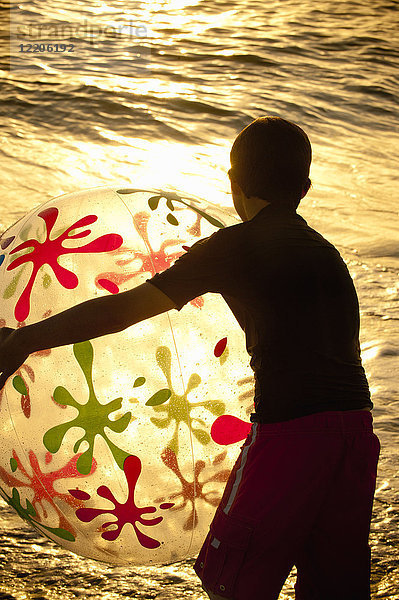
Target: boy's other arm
{"x": 88, "y": 320}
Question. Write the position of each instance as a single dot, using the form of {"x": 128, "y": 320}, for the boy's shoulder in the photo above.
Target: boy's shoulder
{"x": 266, "y": 229}
{"x": 222, "y": 236}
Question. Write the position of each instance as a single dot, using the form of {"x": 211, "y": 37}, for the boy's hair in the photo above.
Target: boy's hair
{"x": 270, "y": 159}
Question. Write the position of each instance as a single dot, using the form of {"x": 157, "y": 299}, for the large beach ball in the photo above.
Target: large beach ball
{"x": 119, "y": 448}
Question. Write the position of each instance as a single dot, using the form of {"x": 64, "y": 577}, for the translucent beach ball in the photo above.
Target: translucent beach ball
{"x": 119, "y": 448}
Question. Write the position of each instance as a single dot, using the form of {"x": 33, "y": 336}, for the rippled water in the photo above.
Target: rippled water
{"x": 157, "y": 100}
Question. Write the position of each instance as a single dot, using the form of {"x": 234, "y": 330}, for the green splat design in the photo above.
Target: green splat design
{"x": 178, "y": 408}
{"x": 153, "y": 203}
{"x": 12, "y": 286}
{"x": 139, "y": 381}
{"x": 224, "y": 356}
{"x": 19, "y": 384}
{"x": 24, "y": 233}
{"x": 209, "y": 218}
{"x": 61, "y": 230}
{"x": 93, "y": 416}
{"x": 13, "y": 465}
{"x": 46, "y": 280}
{"x": 29, "y": 513}
{"x": 159, "y": 398}
{"x": 169, "y": 204}
{"x": 172, "y": 219}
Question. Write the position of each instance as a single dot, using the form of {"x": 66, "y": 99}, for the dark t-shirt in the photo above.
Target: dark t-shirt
{"x": 292, "y": 294}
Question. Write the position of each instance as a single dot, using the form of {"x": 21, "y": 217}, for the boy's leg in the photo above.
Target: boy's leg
{"x": 233, "y": 559}
{"x": 335, "y": 562}
{"x": 274, "y": 494}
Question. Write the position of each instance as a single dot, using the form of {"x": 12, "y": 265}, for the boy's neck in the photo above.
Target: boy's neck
{"x": 252, "y": 206}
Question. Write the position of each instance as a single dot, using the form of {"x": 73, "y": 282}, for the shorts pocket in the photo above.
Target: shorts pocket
{"x": 222, "y": 555}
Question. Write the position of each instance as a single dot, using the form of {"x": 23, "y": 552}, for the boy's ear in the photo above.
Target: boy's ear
{"x": 234, "y": 184}
{"x": 306, "y": 187}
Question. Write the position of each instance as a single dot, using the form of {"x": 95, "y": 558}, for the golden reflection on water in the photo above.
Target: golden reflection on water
{"x": 162, "y": 88}
{"x": 153, "y": 6}
{"x": 201, "y": 171}
{"x": 172, "y": 13}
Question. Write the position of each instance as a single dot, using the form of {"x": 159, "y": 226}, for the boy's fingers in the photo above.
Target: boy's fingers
{"x": 6, "y": 374}
{"x": 5, "y": 332}
{"x": 3, "y": 378}
{"x": 10, "y": 369}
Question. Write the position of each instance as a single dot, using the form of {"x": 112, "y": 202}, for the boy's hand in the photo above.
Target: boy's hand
{"x": 12, "y": 355}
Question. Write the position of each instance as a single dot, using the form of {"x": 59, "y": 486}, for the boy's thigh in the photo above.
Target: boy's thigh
{"x": 334, "y": 562}
{"x": 236, "y": 567}
{"x": 326, "y": 575}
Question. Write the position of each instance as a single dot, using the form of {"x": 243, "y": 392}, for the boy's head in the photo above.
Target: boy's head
{"x": 270, "y": 159}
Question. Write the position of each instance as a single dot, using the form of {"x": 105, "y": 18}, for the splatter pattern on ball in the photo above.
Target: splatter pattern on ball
{"x": 119, "y": 448}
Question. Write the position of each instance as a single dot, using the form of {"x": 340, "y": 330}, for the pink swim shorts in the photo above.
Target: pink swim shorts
{"x": 300, "y": 493}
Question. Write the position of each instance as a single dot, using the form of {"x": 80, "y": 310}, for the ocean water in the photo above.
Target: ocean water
{"x": 153, "y": 94}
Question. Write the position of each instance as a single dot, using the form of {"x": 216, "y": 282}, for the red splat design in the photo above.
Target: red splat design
{"x": 228, "y": 429}
{"x": 152, "y": 261}
{"x": 192, "y": 491}
{"x": 50, "y": 251}
{"x": 42, "y": 484}
{"x": 220, "y": 347}
{"x": 79, "y": 494}
{"x": 108, "y": 285}
{"x": 125, "y": 513}
{"x": 198, "y": 302}
{"x": 26, "y": 405}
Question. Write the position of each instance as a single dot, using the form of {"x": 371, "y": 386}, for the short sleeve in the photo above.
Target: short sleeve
{"x": 205, "y": 267}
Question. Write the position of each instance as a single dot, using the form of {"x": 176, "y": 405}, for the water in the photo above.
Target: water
{"x": 156, "y": 100}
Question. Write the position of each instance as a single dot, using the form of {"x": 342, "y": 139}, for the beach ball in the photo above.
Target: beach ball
{"x": 119, "y": 448}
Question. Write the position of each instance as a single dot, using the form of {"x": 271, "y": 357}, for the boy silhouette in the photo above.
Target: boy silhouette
{"x": 302, "y": 488}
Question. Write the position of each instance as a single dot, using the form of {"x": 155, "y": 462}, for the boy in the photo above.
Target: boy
{"x": 301, "y": 491}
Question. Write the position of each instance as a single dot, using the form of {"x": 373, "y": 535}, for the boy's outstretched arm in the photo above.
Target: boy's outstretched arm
{"x": 88, "y": 320}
